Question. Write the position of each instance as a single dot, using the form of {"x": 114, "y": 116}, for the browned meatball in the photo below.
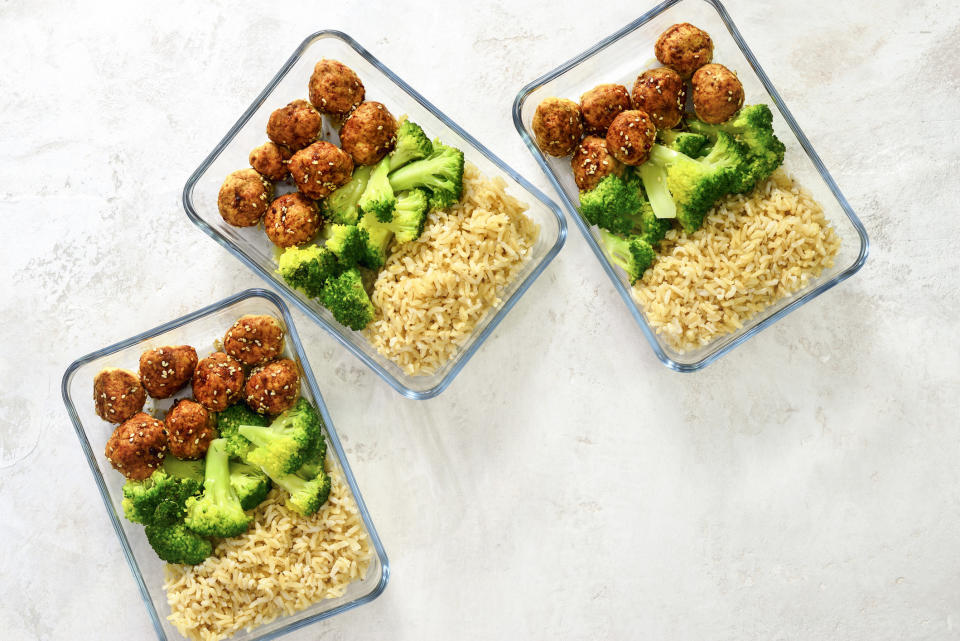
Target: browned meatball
{"x": 660, "y": 92}
{"x": 591, "y": 163}
{"x": 334, "y": 88}
{"x": 253, "y": 340}
{"x": 218, "y": 381}
{"x": 320, "y": 168}
{"x": 558, "y": 126}
{"x": 717, "y": 93}
{"x": 601, "y": 105}
{"x": 274, "y": 387}
{"x": 369, "y": 133}
{"x": 189, "y": 429}
{"x": 630, "y": 137}
{"x": 684, "y": 48}
{"x": 270, "y": 159}
{"x": 117, "y": 395}
{"x": 137, "y": 447}
{"x": 166, "y": 370}
{"x": 292, "y": 219}
{"x": 244, "y": 197}
{"x": 295, "y": 126}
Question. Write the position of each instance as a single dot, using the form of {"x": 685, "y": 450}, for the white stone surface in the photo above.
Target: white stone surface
{"x": 566, "y": 486}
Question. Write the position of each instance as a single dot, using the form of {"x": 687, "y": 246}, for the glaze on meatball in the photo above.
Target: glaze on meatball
{"x": 117, "y": 395}
{"x": 166, "y": 370}
{"x": 270, "y": 159}
{"x": 274, "y": 387}
{"x": 244, "y": 197}
{"x": 660, "y": 92}
{"x": 591, "y": 163}
{"x": 189, "y": 429}
{"x": 292, "y": 219}
{"x": 334, "y": 88}
{"x": 137, "y": 447}
{"x": 717, "y": 93}
{"x": 558, "y": 126}
{"x": 684, "y": 48}
{"x": 254, "y": 339}
{"x": 218, "y": 381}
{"x": 630, "y": 137}
{"x": 369, "y": 133}
{"x": 601, "y": 105}
{"x": 320, "y": 168}
{"x": 295, "y": 126}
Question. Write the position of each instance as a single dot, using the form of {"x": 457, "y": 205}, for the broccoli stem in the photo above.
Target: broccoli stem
{"x": 216, "y": 476}
{"x": 654, "y": 179}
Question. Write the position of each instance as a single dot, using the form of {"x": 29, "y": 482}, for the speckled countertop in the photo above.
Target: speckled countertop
{"x": 566, "y": 486}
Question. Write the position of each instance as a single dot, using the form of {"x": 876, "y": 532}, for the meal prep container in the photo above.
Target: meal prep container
{"x": 620, "y": 58}
{"x": 200, "y": 329}
{"x": 255, "y": 250}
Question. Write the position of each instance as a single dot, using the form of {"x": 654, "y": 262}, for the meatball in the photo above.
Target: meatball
{"x": 295, "y": 126}
{"x": 292, "y": 219}
{"x": 320, "y": 168}
{"x": 630, "y": 137}
{"x": 369, "y": 133}
{"x": 660, "y": 92}
{"x": 254, "y": 339}
{"x": 189, "y": 429}
{"x": 717, "y": 93}
{"x": 684, "y": 48}
{"x": 592, "y": 162}
{"x": 334, "y": 88}
{"x": 601, "y": 105}
{"x": 558, "y": 126}
{"x": 117, "y": 395}
{"x": 166, "y": 370}
{"x": 218, "y": 381}
{"x": 274, "y": 387}
{"x": 270, "y": 159}
{"x": 137, "y": 447}
{"x": 244, "y": 197}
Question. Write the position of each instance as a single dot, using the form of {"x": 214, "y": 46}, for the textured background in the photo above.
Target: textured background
{"x": 566, "y": 486}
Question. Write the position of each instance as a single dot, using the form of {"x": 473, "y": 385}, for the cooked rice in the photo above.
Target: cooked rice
{"x": 433, "y": 291}
{"x": 283, "y": 564}
{"x": 752, "y": 251}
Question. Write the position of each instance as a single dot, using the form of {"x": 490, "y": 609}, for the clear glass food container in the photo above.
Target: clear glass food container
{"x": 620, "y": 58}
{"x": 255, "y": 250}
{"x": 200, "y": 329}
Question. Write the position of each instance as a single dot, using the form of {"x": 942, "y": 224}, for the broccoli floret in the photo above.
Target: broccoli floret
{"x": 441, "y": 173}
{"x": 184, "y": 469}
{"x": 306, "y": 495}
{"x": 378, "y": 240}
{"x": 279, "y": 448}
{"x": 340, "y": 207}
{"x": 250, "y": 484}
{"x": 611, "y": 205}
{"x": 347, "y": 300}
{"x": 308, "y": 268}
{"x": 378, "y": 198}
{"x": 178, "y": 544}
{"x": 313, "y": 460}
{"x": 409, "y": 218}
{"x": 350, "y": 243}
{"x": 158, "y": 499}
{"x": 686, "y": 142}
{"x": 412, "y": 144}
{"x": 632, "y": 253}
{"x": 753, "y": 127}
{"x": 228, "y": 426}
{"x": 217, "y": 512}
{"x": 646, "y": 224}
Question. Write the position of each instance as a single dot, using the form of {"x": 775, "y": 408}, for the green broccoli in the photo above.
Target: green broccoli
{"x": 441, "y": 172}
{"x": 158, "y": 499}
{"x": 308, "y": 268}
{"x": 378, "y": 240}
{"x": 279, "y": 448}
{"x": 228, "y": 426}
{"x": 632, "y": 253}
{"x": 313, "y": 459}
{"x": 347, "y": 300}
{"x": 685, "y": 142}
{"x": 412, "y": 144}
{"x": 184, "y": 469}
{"x": 409, "y": 217}
{"x": 350, "y": 244}
{"x": 178, "y": 544}
{"x": 619, "y": 205}
{"x": 217, "y": 512}
{"x": 250, "y": 484}
{"x": 306, "y": 495}
{"x": 340, "y": 207}
{"x": 378, "y": 198}
{"x": 753, "y": 127}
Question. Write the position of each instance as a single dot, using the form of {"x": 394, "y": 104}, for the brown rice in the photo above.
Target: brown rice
{"x": 433, "y": 291}
{"x": 752, "y": 250}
